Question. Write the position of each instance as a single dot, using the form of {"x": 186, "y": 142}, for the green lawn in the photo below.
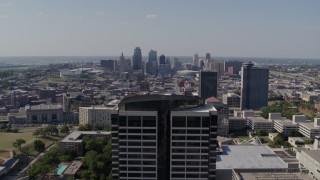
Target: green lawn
{"x": 6, "y": 139}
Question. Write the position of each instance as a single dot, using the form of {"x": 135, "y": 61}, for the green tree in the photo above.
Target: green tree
{"x": 52, "y": 129}
{"x": 18, "y": 143}
{"x": 260, "y": 132}
{"x": 36, "y": 133}
{"x": 39, "y": 145}
{"x": 64, "y": 129}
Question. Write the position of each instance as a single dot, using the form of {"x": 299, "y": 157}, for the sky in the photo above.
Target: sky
{"x": 231, "y": 28}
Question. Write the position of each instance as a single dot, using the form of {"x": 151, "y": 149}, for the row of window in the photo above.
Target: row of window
{"x": 137, "y": 156}
{"x": 179, "y": 121}
{"x": 145, "y": 150}
{"x": 189, "y": 163}
{"x": 190, "y": 144}
{"x": 136, "y": 162}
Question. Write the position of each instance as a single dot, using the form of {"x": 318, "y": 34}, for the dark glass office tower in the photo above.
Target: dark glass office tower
{"x": 254, "y": 86}
{"x": 162, "y": 59}
{"x": 164, "y": 137}
{"x": 137, "y": 59}
{"x": 208, "y": 84}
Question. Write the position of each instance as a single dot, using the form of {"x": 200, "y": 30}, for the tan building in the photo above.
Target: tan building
{"x": 95, "y": 116}
{"x": 38, "y": 114}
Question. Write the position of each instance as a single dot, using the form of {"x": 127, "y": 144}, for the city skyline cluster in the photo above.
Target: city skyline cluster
{"x": 286, "y": 29}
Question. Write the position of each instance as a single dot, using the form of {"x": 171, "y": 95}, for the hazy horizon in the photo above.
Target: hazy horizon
{"x": 261, "y": 29}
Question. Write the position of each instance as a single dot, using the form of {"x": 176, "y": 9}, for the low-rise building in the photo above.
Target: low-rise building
{"x": 260, "y": 123}
{"x": 73, "y": 141}
{"x": 37, "y": 114}
{"x": 281, "y": 124}
{"x": 247, "y": 158}
{"x": 309, "y": 161}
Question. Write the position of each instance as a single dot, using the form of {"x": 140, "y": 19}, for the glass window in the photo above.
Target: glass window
{"x": 178, "y": 121}
{"x": 134, "y": 121}
{"x": 193, "y": 121}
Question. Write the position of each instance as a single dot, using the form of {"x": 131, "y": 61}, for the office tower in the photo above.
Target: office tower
{"x": 164, "y": 137}
{"x": 254, "y": 86}
{"x": 152, "y": 64}
{"x": 208, "y": 84}
{"x": 196, "y": 60}
{"x": 123, "y": 64}
{"x": 137, "y": 59}
{"x": 201, "y": 64}
{"x": 232, "y": 67}
{"x": 162, "y": 59}
{"x": 208, "y": 56}
{"x": 108, "y": 64}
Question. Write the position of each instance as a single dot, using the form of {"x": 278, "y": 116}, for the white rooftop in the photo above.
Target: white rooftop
{"x": 249, "y": 157}
{"x": 74, "y": 135}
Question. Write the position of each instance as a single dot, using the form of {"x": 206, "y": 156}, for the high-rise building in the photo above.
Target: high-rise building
{"x": 196, "y": 60}
{"x": 162, "y": 59}
{"x": 164, "y": 137}
{"x": 254, "y": 86}
{"x": 152, "y": 64}
{"x": 208, "y": 84}
{"x": 137, "y": 59}
{"x": 208, "y": 56}
{"x": 232, "y": 67}
{"x": 124, "y": 66}
{"x": 217, "y": 66}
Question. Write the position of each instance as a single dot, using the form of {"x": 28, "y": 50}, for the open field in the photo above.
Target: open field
{"x": 6, "y": 139}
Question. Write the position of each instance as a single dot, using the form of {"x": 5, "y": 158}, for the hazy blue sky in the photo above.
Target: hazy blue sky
{"x": 270, "y": 28}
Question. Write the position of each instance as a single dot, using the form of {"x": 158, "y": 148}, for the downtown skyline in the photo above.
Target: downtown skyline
{"x": 286, "y": 29}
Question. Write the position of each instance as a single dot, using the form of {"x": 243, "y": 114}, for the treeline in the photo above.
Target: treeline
{"x": 282, "y": 107}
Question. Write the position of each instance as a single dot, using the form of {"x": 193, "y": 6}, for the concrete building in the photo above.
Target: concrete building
{"x": 260, "y": 123}
{"x": 252, "y": 158}
{"x": 309, "y": 161}
{"x": 281, "y": 124}
{"x": 231, "y": 100}
{"x": 308, "y": 129}
{"x": 163, "y": 137}
{"x": 95, "y": 116}
{"x": 73, "y": 141}
{"x": 208, "y": 84}
{"x": 254, "y": 87}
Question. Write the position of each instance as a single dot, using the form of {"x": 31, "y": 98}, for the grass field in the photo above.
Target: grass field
{"x": 6, "y": 139}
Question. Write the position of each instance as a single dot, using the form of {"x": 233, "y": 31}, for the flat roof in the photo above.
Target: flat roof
{"x": 259, "y": 119}
{"x": 73, "y": 168}
{"x": 74, "y": 135}
{"x": 249, "y": 157}
{"x": 309, "y": 125}
{"x": 274, "y": 175}
{"x": 44, "y": 106}
{"x": 286, "y": 122}
{"x": 315, "y": 154}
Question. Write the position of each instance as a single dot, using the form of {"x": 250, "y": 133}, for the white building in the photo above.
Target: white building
{"x": 307, "y": 128}
{"x": 309, "y": 160}
{"x": 281, "y": 124}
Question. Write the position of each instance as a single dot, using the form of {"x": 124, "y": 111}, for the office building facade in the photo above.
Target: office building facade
{"x": 163, "y": 137}
{"x": 254, "y": 87}
{"x": 208, "y": 84}
{"x": 137, "y": 59}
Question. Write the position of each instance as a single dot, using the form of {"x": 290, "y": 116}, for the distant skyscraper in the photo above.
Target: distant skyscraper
{"x": 208, "y": 84}
{"x": 162, "y": 59}
{"x": 208, "y": 56}
{"x": 254, "y": 86}
{"x": 137, "y": 59}
{"x": 124, "y": 66}
{"x": 152, "y": 64}
{"x": 196, "y": 60}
